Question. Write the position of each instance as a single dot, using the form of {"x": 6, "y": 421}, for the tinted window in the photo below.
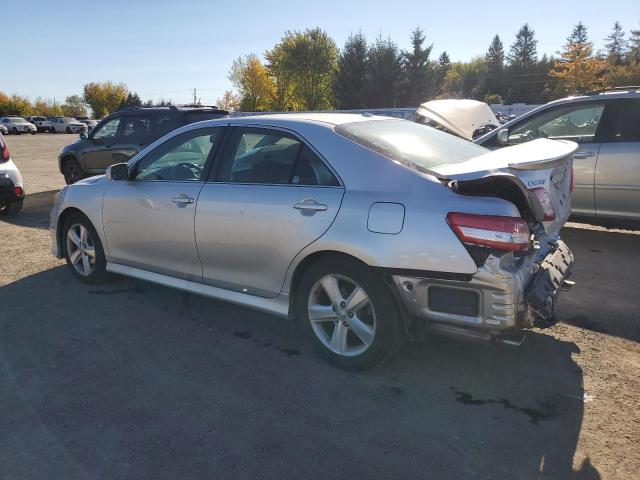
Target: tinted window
{"x": 107, "y": 131}
{"x": 272, "y": 157}
{"x": 621, "y": 122}
{"x": 577, "y": 122}
{"x": 162, "y": 124}
{"x": 181, "y": 158}
{"x": 136, "y": 128}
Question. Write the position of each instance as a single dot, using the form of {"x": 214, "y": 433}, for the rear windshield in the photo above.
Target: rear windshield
{"x": 414, "y": 145}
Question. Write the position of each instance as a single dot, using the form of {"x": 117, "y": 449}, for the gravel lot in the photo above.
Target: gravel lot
{"x": 133, "y": 380}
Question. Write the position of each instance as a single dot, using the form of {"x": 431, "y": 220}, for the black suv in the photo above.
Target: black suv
{"x": 123, "y": 134}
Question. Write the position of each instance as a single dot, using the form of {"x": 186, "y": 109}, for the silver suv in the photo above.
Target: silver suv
{"x": 606, "y": 125}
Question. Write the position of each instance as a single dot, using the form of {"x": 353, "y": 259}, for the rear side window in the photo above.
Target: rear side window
{"x": 621, "y": 122}
{"x": 272, "y": 157}
{"x": 136, "y": 129}
{"x": 162, "y": 124}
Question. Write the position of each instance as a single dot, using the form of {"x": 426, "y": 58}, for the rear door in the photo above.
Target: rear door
{"x": 617, "y": 180}
{"x": 272, "y": 196}
{"x": 135, "y": 133}
{"x": 577, "y": 122}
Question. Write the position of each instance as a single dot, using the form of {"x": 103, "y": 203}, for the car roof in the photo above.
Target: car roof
{"x": 326, "y": 119}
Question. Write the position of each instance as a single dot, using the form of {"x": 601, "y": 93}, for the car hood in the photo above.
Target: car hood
{"x": 462, "y": 117}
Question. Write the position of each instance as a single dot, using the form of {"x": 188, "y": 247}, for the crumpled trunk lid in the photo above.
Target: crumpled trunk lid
{"x": 539, "y": 164}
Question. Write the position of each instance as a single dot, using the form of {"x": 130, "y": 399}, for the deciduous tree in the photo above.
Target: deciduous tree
{"x": 578, "y": 69}
{"x": 104, "y": 97}
{"x": 252, "y": 80}
{"x": 74, "y": 106}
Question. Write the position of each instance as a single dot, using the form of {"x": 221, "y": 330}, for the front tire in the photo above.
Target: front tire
{"x": 68, "y": 130}
{"x": 15, "y": 131}
{"x": 52, "y": 129}
{"x": 83, "y": 250}
{"x": 72, "y": 171}
{"x": 348, "y": 313}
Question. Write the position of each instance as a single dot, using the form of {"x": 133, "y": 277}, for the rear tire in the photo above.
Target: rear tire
{"x": 52, "y": 129}
{"x": 83, "y": 250}
{"x": 72, "y": 171}
{"x": 15, "y": 131}
{"x": 68, "y": 130}
{"x": 356, "y": 324}
{"x": 13, "y": 208}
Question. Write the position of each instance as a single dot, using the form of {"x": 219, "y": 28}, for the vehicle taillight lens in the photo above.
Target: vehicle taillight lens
{"x": 571, "y": 184}
{"x": 5, "y": 152}
{"x": 502, "y": 233}
{"x": 18, "y": 191}
{"x": 545, "y": 200}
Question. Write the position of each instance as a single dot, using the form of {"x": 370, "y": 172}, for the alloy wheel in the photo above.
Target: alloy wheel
{"x": 81, "y": 249}
{"x": 341, "y": 315}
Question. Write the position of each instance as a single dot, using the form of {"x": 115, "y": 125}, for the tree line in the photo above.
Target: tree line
{"x": 98, "y": 98}
{"x": 307, "y": 71}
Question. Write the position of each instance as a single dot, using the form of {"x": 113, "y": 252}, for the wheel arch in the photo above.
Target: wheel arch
{"x": 66, "y": 213}
{"x": 65, "y": 158}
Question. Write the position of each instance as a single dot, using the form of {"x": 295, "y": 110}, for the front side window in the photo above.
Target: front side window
{"x": 575, "y": 122}
{"x": 272, "y": 157}
{"x": 107, "y": 131}
{"x": 182, "y": 158}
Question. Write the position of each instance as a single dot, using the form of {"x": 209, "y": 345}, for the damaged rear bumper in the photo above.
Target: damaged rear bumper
{"x": 499, "y": 301}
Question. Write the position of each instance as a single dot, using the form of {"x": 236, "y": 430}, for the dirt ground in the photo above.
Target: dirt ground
{"x": 133, "y": 380}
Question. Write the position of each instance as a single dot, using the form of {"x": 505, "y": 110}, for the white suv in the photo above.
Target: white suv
{"x": 66, "y": 125}
{"x": 17, "y": 125}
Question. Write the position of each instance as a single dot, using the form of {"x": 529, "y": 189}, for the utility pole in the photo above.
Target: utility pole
{"x": 194, "y": 97}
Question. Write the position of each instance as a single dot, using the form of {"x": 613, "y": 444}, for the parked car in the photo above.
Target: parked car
{"x": 468, "y": 119}
{"x": 124, "y": 133}
{"x": 18, "y": 125}
{"x": 41, "y": 123}
{"x": 3, "y": 129}
{"x": 11, "y": 185}
{"x": 66, "y": 125}
{"x": 606, "y": 125}
{"x": 365, "y": 229}
{"x": 90, "y": 123}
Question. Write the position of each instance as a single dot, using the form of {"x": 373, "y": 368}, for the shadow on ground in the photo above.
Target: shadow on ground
{"x": 606, "y": 268}
{"x": 133, "y": 380}
{"x": 35, "y": 211}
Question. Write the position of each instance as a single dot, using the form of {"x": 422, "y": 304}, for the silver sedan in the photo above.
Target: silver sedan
{"x": 366, "y": 230}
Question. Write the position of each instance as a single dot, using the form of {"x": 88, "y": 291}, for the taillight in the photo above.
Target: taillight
{"x": 545, "y": 200}
{"x": 502, "y": 233}
{"x": 571, "y": 184}
{"x": 18, "y": 191}
{"x": 5, "y": 151}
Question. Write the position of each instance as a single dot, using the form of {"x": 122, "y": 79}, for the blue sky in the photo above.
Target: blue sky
{"x": 162, "y": 49}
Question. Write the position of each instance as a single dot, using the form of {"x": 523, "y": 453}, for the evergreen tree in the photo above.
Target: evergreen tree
{"x": 441, "y": 69}
{"x": 616, "y": 45}
{"x": 383, "y": 74}
{"x": 495, "y": 67}
{"x": 416, "y": 71}
{"x": 132, "y": 100}
{"x": 522, "y": 58}
{"x": 633, "y": 52}
{"x": 348, "y": 86}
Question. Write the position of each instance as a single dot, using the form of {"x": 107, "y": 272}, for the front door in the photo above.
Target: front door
{"x": 617, "y": 183}
{"x": 149, "y": 219}
{"x": 577, "y": 122}
{"x": 98, "y": 153}
{"x": 272, "y": 196}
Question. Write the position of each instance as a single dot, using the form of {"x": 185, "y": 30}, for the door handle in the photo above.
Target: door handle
{"x": 310, "y": 205}
{"x": 583, "y": 154}
{"x": 182, "y": 200}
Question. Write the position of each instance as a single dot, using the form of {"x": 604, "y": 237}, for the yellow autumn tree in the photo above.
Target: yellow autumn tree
{"x": 578, "y": 69}
{"x": 104, "y": 97}
{"x": 252, "y": 80}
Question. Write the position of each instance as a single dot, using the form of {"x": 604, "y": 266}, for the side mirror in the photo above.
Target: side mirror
{"x": 96, "y": 141}
{"x": 116, "y": 172}
{"x": 503, "y": 137}
{"x": 83, "y": 134}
